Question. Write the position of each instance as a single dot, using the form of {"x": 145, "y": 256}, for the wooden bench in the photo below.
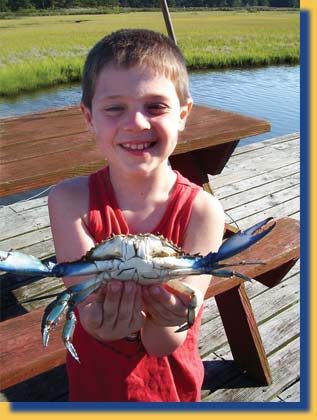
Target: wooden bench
{"x": 23, "y": 357}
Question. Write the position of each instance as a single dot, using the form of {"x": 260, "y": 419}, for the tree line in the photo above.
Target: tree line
{"x": 16, "y": 5}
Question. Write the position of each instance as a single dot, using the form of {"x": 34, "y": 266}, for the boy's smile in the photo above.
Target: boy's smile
{"x": 137, "y": 147}
{"x": 136, "y": 117}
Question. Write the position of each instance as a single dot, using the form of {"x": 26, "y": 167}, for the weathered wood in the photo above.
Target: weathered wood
{"x": 278, "y": 321}
{"x": 245, "y": 163}
{"x": 22, "y": 354}
{"x": 27, "y": 221}
{"x": 278, "y": 330}
{"x": 277, "y": 300}
{"x": 291, "y": 394}
{"x": 41, "y": 149}
{"x": 240, "y": 186}
{"x": 283, "y": 363}
{"x": 243, "y": 335}
{"x": 264, "y": 190}
{"x": 28, "y": 239}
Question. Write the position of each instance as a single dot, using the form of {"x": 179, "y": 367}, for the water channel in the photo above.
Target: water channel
{"x": 271, "y": 93}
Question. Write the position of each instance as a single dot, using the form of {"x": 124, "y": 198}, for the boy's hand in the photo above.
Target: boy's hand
{"x": 115, "y": 311}
{"x": 165, "y": 308}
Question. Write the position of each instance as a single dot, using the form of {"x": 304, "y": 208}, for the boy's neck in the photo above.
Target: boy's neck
{"x": 160, "y": 180}
{"x": 143, "y": 200}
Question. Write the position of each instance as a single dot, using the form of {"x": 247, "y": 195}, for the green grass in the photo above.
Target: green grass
{"x": 38, "y": 52}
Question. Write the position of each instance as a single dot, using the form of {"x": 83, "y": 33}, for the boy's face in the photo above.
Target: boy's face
{"x": 136, "y": 117}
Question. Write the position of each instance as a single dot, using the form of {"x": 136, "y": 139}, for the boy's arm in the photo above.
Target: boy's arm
{"x": 167, "y": 310}
{"x": 115, "y": 310}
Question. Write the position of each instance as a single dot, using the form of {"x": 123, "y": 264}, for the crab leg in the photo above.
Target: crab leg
{"x": 228, "y": 274}
{"x": 18, "y": 263}
{"x": 68, "y": 332}
{"x": 52, "y": 314}
{"x": 187, "y": 290}
{"x": 67, "y": 301}
{"x": 82, "y": 268}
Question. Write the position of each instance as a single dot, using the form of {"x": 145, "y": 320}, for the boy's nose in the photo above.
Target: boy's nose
{"x": 136, "y": 121}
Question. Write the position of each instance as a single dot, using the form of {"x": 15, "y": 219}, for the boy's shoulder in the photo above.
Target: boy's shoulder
{"x": 71, "y": 186}
{"x": 72, "y": 192}
{"x": 206, "y": 203}
{"x": 206, "y": 211}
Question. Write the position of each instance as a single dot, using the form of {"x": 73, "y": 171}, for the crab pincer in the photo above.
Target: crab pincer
{"x": 243, "y": 240}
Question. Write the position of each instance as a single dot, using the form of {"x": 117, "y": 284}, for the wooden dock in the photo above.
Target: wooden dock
{"x": 260, "y": 180}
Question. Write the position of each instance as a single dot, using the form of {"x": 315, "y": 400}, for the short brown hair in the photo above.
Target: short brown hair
{"x": 130, "y": 47}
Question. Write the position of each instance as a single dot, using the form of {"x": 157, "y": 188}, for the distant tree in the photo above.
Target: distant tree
{"x": 234, "y": 3}
{"x": 4, "y": 5}
{"x": 15, "y": 5}
{"x": 264, "y": 3}
{"x": 284, "y": 3}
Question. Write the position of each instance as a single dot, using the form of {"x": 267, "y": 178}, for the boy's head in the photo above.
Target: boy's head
{"x": 130, "y": 47}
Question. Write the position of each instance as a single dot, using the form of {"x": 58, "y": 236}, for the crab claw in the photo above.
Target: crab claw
{"x": 242, "y": 240}
{"x": 52, "y": 314}
{"x": 190, "y": 316}
{"x": 18, "y": 263}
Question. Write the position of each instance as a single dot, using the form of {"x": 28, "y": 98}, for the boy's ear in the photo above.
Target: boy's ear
{"x": 185, "y": 111}
{"x": 88, "y": 117}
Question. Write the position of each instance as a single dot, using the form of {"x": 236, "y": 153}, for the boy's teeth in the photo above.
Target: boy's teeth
{"x": 136, "y": 146}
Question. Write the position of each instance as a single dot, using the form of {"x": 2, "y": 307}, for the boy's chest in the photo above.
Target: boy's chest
{"x": 146, "y": 218}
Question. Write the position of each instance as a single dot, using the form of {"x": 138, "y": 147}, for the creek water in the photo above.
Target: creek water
{"x": 270, "y": 93}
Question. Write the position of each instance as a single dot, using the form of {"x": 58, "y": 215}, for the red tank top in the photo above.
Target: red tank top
{"x": 120, "y": 370}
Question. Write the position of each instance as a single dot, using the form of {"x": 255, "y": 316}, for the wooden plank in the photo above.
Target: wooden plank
{"x": 24, "y": 222}
{"x": 28, "y": 297}
{"x": 244, "y": 164}
{"x": 270, "y": 159}
{"x": 291, "y": 394}
{"x": 263, "y": 148}
{"x": 212, "y": 336}
{"x": 241, "y": 174}
{"x": 219, "y": 366}
{"x": 26, "y": 205}
{"x": 29, "y": 344}
{"x": 27, "y": 240}
{"x": 266, "y": 143}
{"x": 261, "y": 191}
{"x": 242, "y": 184}
{"x": 280, "y": 328}
{"x": 267, "y": 202}
{"x": 283, "y": 365}
{"x": 285, "y": 209}
{"x": 243, "y": 335}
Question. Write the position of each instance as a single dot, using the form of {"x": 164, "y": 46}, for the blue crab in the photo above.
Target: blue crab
{"x": 145, "y": 258}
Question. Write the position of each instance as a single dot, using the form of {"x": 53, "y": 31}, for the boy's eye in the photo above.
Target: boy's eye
{"x": 114, "y": 108}
{"x": 157, "y": 108}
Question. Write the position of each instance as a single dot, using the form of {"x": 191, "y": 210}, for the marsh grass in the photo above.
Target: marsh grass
{"x": 39, "y": 52}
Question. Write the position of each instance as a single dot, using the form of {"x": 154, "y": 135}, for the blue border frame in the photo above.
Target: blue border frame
{"x": 304, "y": 403}
{"x": 305, "y": 207}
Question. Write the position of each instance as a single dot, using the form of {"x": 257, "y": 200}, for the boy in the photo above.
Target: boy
{"x": 136, "y": 101}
